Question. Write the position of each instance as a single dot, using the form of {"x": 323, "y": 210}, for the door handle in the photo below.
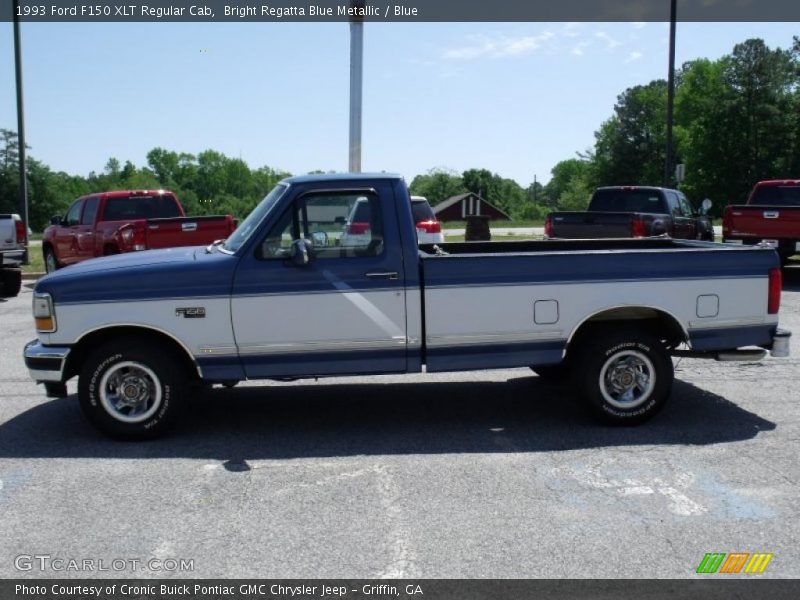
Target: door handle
{"x": 381, "y": 275}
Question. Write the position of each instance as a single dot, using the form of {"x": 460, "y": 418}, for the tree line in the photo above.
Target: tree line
{"x": 737, "y": 120}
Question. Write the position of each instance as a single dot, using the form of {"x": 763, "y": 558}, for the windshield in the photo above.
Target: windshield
{"x": 254, "y": 219}
{"x": 777, "y": 195}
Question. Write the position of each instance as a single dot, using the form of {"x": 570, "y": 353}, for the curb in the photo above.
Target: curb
{"x": 32, "y": 276}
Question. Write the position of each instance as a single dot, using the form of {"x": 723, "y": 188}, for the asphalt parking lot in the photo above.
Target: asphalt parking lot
{"x": 484, "y": 474}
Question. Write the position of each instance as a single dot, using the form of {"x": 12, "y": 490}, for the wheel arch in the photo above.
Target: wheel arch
{"x": 657, "y": 320}
{"x": 95, "y": 337}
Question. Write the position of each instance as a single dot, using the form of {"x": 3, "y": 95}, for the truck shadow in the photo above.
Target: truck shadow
{"x": 298, "y": 421}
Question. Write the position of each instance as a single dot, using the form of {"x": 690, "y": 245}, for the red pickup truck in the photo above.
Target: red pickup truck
{"x": 126, "y": 221}
{"x": 771, "y": 215}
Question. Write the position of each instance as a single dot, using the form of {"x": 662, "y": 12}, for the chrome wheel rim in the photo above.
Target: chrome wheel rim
{"x": 130, "y": 392}
{"x": 627, "y": 379}
{"x": 50, "y": 262}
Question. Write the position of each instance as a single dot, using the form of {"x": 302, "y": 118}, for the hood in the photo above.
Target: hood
{"x": 148, "y": 275}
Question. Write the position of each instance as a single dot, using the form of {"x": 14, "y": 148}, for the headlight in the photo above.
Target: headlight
{"x": 43, "y": 313}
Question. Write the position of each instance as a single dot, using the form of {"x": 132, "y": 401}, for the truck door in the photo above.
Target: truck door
{"x": 682, "y": 225}
{"x": 85, "y": 232}
{"x": 343, "y": 312}
{"x": 66, "y": 234}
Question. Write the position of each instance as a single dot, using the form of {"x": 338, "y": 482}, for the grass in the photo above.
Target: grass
{"x": 502, "y": 224}
{"x": 36, "y": 260}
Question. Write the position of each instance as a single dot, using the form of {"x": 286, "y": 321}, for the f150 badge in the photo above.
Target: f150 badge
{"x": 191, "y": 312}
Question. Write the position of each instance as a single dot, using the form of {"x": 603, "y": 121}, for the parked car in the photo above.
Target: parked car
{"x": 126, "y": 221}
{"x": 632, "y": 211}
{"x": 13, "y": 254}
{"x": 771, "y": 215}
{"x": 429, "y": 228}
{"x": 271, "y": 303}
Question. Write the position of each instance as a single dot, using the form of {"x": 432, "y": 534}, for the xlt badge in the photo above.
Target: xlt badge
{"x": 191, "y": 312}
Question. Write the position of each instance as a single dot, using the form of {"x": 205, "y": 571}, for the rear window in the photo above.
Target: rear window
{"x": 141, "y": 207}
{"x": 645, "y": 201}
{"x": 362, "y": 214}
{"x": 422, "y": 211}
{"x": 777, "y": 195}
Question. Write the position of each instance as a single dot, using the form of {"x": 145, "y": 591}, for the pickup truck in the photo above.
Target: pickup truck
{"x": 126, "y": 221}
{"x": 13, "y": 254}
{"x": 771, "y": 215}
{"x": 632, "y": 211}
{"x": 278, "y": 300}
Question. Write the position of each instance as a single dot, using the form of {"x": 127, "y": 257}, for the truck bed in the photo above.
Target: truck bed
{"x": 492, "y": 304}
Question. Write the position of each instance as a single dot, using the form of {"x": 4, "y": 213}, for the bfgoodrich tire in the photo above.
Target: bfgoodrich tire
{"x": 625, "y": 376}
{"x": 131, "y": 389}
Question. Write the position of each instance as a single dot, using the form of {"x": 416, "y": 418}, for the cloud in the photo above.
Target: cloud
{"x": 499, "y": 46}
{"x": 639, "y": 24}
{"x": 611, "y": 43}
{"x": 634, "y": 56}
{"x": 578, "y": 49}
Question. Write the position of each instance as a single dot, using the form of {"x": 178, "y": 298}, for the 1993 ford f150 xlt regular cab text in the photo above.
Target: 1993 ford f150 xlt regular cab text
{"x": 289, "y": 296}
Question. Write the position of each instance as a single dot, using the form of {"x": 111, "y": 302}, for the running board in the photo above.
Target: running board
{"x": 747, "y": 355}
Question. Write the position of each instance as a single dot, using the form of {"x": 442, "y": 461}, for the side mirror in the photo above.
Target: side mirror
{"x": 705, "y": 206}
{"x": 301, "y": 253}
{"x": 319, "y": 239}
{"x": 55, "y": 220}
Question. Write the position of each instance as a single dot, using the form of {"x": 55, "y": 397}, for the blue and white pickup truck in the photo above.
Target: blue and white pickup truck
{"x": 289, "y": 295}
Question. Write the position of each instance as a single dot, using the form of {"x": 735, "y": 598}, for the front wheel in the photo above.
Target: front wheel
{"x": 625, "y": 376}
{"x": 50, "y": 262}
{"x": 131, "y": 389}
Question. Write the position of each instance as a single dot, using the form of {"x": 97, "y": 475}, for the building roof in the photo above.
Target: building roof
{"x": 456, "y": 199}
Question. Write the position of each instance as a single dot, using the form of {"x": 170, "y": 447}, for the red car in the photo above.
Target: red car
{"x": 126, "y": 221}
{"x": 771, "y": 215}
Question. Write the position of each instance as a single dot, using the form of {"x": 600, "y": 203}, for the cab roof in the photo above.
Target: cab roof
{"x": 315, "y": 178}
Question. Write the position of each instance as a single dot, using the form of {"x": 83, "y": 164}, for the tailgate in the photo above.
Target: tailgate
{"x": 588, "y": 225}
{"x": 187, "y": 231}
{"x": 8, "y": 233}
{"x": 765, "y": 222}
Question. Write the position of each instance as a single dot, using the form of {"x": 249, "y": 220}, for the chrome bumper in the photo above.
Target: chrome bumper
{"x": 45, "y": 363}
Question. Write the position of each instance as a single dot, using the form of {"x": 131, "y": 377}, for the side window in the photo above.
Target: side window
{"x": 339, "y": 225}
{"x": 89, "y": 210}
{"x": 686, "y": 206}
{"x": 74, "y": 214}
{"x": 673, "y": 204}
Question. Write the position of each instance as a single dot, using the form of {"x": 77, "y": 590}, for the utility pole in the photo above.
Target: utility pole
{"x": 356, "y": 87}
{"x": 23, "y": 178}
{"x": 673, "y": 10}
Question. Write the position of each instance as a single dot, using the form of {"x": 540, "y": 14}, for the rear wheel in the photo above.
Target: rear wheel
{"x": 624, "y": 376}
{"x": 132, "y": 389}
{"x": 11, "y": 282}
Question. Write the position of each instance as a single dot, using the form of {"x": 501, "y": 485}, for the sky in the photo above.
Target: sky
{"x": 514, "y": 98}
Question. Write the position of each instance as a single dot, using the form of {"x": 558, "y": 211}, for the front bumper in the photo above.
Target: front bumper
{"x": 45, "y": 363}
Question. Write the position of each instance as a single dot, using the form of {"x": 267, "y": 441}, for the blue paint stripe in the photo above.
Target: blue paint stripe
{"x": 494, "y": 356}
{"x": 731, "y": 337}
{"x": 582, "y": 267}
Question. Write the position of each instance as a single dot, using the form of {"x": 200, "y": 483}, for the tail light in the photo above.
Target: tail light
{"x": 358, "y": 228}
{"x": 430, "y": 226}
{"x": 638, "y": 228}
{"x": 774, "y": 294}
{"x": 22, "y": 234}
{"x": 548, "y": 227}
{"x": 135, "y": 237}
